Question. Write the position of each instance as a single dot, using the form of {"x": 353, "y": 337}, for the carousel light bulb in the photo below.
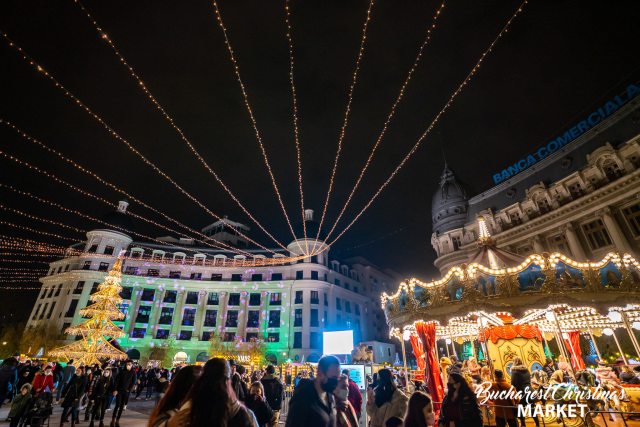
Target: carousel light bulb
{"x": 448, "y": 341}
{"x": 607, "y": 331}
{"x": 550, "y": 317}
{"x": 565, "y": 335}
{"x": 636, "y": 325}
{"x": 615, "y": 316}
{"x": 406, "y": 335}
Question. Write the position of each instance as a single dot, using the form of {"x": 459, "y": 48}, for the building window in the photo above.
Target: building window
{"x": 166, "y": 316}
{"x": 104, "y": 266}
{"x": 67, "y": 267}
{"x": 355, "y": 289}
{"x": 234, "y": 299}
{"x": 455, "y": 241}
{"x": 297, "y": 340}
{"x": 229, "y": 337}
{"x": 314, "y": 275}
{"x": 126, "y": 293}
{"x": 356, "y": 327}
{"x": 185, "y": 335}
{"x": 192, "y": 298}
{"x": 274, "y": 318}
{"x": 108, "y": 250}
{"x": 216, "y": 277}
{"x": 298, "y": 275}
{"x": 64, "y": 327}
{"x": 346, "y": 285}
{"x": 276, "y": 276}
{"x": 196, "y": 276}
{"x": 59, "y": 269}
{"x": 93, "y": 249}
{"x": 275, "y": 299}
{"x": 153, "y": 272}
{"x": 251, "y": 336}
{"x": 347, "y": 322}
{"x": 131, "y": 270}
{"x": 298, "y": 299}
{"x": 314, "y": 297}
{"x": 525, "y": 250}
{"x": 44, "y": 310}
{"x": 357, "y": 307}
{"x": 253, "y": 319}
{"x": 206, "y": 336}
{"x": 560, "y": 244}
{"x": 314, "y": 341}
{"x": 210, "y": 317}
{"x": 337, "y": 282}
{"x": 189, "y": 317}
{"x": 175, "y": 274}
{"x": 94, "y": 288}
{"x": 232, "y": 319}
{"x": 632, "y": 213}
{"x": 273, "y": 337}
{"x": 326, "y": 301}
{"x": 325, "y": 319}
{"x": 162, "y": 334}
{"x": 213, "y": 298}
{"x": 58, "y": 290}
{"x": 170, "y": 296}
{"x": 143, "y": 314}
{"x": 148, "y": 295}
{"x": 597, "y": 234}
{"x": 326, "y": 278}
{"x": 347, "y": 306}
{"x": 53, "y": 304}
{"x": 87, "y": 265}
{"x": 136, "y": 254}
{"x": 254, "y": 299}
{"x": 338, "y": 304}
{"x": 53, "y": 288}
{"x": 71, "y": 311}
{"x": 314, "y": 317}
{"x": 138, "y": 332}
{"x": 256, "y": 277}
{"x": 298, "y": 321}
{"x": 314, "y": 259}
{"x": 236, "y": 277}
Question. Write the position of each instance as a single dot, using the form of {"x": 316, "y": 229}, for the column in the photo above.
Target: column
{"x": 222, "y": 311}
{"x": 202, "y": 306}
{"x": 574, "y": 243}
{"x": 155, "y": 314}
{"x": 306, "y": 318}
{"x": 617, "y": 237}
{"x": 136, "y": 298}
{"x": 243, "y": 315}
{"x": 176, "y": 324}
{"x": 537, "y": 245}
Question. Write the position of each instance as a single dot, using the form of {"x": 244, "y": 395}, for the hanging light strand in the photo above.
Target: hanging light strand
{"x": 393, "y": 110}
{"x": 41, "y": 219}
{"x": 458, "y": 90}
{"x": 166, "y": 115}
{"x": 21, "y": 261}
{"x": 39, "y": 232}
{"x": 253, "y": 120}
{"x": 116, "y": 135}
{"x": 346, "y": 116}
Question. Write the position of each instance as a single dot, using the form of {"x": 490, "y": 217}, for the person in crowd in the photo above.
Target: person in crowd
{"x": 211, "y": 401}
{"x": 549, "y": 367}
{"x": 345, "y": 413}
{"x": 67, "y": 373}
{"x": 539, "y": 377}
{"x": 71, "y": 397}
{"x": 312, "y": 404}
{"x": 27, "y": 371}
{"x": 19, "y": 405}
{"x": 94, "y": 375}
{"x": 609, "y": 382}
{"x": 273, "y": 392}
{"x": 565, "y": 367}
{"x": 43, "y": 381}
{"x": 459, "y": 406}
{"x": 627, "y": 376}
{"x": 241, "y": 372}
{"x": 521, "y": 380}
{"x": 57, "y": 376}
{"x": 474, "y": 370}
{"x": 8, "y": 378}
{"x": 355, "y": 397}
{"x": 298, "y": 379}
{"x": 385, "y": 401}
{"x": 394, "y": 422}
{"x": 236, "y": 381}
{"x": 153, "y": 376}
{"x": 505, "y": 414}
{"x": 604, "y": 373}
{"x": 175, "y": 396}
{"x": 122, "y": 386}
{"x": 141, "y": 382}
{"x": 161, "y": 386}
{"x": 485, "y": 374}
{"x": 419, "y": 411}
{"x": 256, "y": 402}
{"x": 99, "y": 397}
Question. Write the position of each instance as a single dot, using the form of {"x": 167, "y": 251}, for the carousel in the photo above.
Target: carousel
{"x": 508, "y": 306}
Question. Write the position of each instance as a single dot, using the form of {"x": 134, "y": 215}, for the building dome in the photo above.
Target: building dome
{"x": 312, "y": 228}
{"x": 450, "y": 204}
{"x": 119, "y": 219}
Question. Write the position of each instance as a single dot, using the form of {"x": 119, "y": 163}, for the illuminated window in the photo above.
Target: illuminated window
{"x": 166, "y": 316}
{"x": 253, "y": 319}
{"x": 298, "y": 318}
{"x": 210, "y": 317}
{"x": 274, "y": 318}
{"x": 189, "y": 317}
{"x": 144, "y": 312}
{"x": 275, "y": 299}
{"x": 170, "y": 296}
{"x": 314, "y": 297}
{"x": 632, "y": 213}
{"x": 298, "y": 297}
{"x": 213, "y": 298}
{"x": 108, "y": 250}
{"x": 597, "y": 234}
{"x": 138, "y": 332}
{"x": 232, "y": 319}
{"x": 234, "y": 299}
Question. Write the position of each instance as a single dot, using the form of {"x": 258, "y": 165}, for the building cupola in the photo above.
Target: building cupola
{"x": 449, "y": 205}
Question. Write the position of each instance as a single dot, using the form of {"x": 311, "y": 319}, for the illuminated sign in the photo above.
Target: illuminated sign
{"x": 573, "y": 133}
{"x": 338, "y": 342}
{"x": 356, "y": 373}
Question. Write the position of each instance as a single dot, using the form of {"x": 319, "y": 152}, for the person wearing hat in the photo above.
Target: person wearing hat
{"x": 609, "y": 381}
{"x": 505, "y": 414}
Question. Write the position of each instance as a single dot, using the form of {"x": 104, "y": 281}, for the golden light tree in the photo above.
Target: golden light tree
{"x": 96, "y": 331}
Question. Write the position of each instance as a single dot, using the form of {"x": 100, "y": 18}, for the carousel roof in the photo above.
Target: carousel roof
{"x": 496, "y": 258}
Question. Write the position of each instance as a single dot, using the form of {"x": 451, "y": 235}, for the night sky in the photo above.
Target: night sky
{"x": 557, "y": 60}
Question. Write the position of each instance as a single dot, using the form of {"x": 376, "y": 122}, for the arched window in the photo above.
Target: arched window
{"x": 180, "y": 357}
{"x": 133, "y": 354}
{"x": 271, "y": 359}
{"x": 202, "y": 357}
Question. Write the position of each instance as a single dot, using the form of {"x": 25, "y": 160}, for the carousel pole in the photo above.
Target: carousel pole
{"x": 486, "y": 349}
{"x": 561, "y": 342}
{"x": 453, "y": 347}
{"x": 447, "y": 346}
{"x": 594, "y": 342}
{"x": 634, "y": 341}
{"x": 546, "y": 342}
{"x": 573, "y": 351}
{"x": 404, "y": 359}
{"x": 473, "y": 348}
{"x": 626, "y": 362}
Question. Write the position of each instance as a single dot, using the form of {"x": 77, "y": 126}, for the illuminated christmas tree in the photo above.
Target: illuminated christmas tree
{"x": 96, "y": 331}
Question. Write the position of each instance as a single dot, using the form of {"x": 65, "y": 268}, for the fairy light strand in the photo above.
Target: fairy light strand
{"x": 346, "y": 116}
{"x": 171, "y": 121}
{"x": 43, "y": 220}
{"x": 39, "y": 232}
{"x": 393, "y": 110}
{"x": 475, "y": 68}
{"x": 253, "y": 120}
{"x": 116, "y": 135}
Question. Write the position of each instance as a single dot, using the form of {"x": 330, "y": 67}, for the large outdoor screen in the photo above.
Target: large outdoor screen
{"x": 356, "y": 373}
{"x": 338, "y": 342}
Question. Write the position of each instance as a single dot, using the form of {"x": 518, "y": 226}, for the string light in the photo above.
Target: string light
{"x": 166, "y": 115}
{"x": 346, "y": 116}
{"x": 253, "y": 120}
{"x": 393, "y": 110}
{"x": 475, "y": 68}
{"x": 14, "y": 254}
{"x": 116, "y": 135}
{"x": 44, "y": 220}
{"x": 39, "y": 232}
{"x": 22, "y": 261}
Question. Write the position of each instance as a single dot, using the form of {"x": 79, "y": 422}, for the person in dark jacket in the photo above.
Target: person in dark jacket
{"x": 141, "y": 382}
{"x": 259, "y": 405}
{"x": 238, "y": 386}
{"x": 19, "y": 405}
{"x": 8, "y": 378}
{"x": 521, "y": 381}
{"x": 273, "y": 392}
{"x": 161, "y": 386}
{"x": 71, "y": 397}
{"x": 67, "y": 373}
{"x": 312, "y": 404}
{"x": 460, "y": 405}
{"x": 100, "y": 392}
{"x": 122, "y": 388}
{"x": 153, "y": 376}
{"x": 627, "y": 376}
{"x": 549, "y": 367}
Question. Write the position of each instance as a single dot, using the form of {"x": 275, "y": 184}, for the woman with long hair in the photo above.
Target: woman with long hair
{"x": 256, "y": 402}
{"x": 99, "y": 397}
{"x": 419, "y": 411}
{"x": 211, "y": 401}
{"x": 474, "y": 369}
{"x": 460, "y": 405}
{"x": 521, "y": 381}
{"x": 385, "y": 401}
{"x": 175, "y": 396}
